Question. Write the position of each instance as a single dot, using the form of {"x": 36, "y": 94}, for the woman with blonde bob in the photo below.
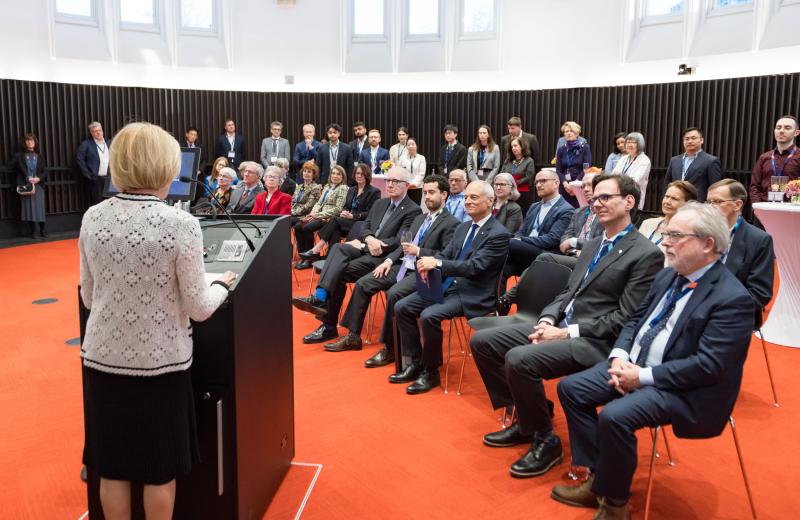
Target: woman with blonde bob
{"x": 142, "y": 277}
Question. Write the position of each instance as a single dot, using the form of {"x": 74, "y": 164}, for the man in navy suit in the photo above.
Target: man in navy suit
{"x": 231, "y": 145}
{"x": 694, "y": 165}
{"x": 305, "y": 150}
{"x": 93, "y": 156}
{"x": 453, "y": 155}
{"x": 334, "y": 152}
{"x": 470, "y": 266}
{"x": 374, "y": 155}
{"x": 358, "y": 144}
{"x": 543, "y": 227}
{"x": 678, "y": 361}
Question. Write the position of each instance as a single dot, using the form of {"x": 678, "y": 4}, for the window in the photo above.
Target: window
{"x": 724, "y": 4}
{"x": 198, "y": 16}
{"x": 725, "y": 7}
{"x": 82, "y": 12}
{"x": 423, "y": 17}
{"x": 662, "y": 7}
{"x": 368, "y": 18}
{"x": 477, "y": 16}
{"x": 137, "y": 13}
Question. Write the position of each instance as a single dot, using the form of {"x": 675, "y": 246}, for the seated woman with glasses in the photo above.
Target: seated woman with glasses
{"x": 327, "y": 207}
{"x": 272, "y": 201}
{"x": 677, "y": 195}
{"x": 505, "y": 210}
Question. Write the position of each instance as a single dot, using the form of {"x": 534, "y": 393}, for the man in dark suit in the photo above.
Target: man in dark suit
{"x": 274, "y": 147}
{"x": 305, "y": 150}
{"x": 334, "y": 152}
{"x": 453, "y": 155}
{"x": 430, "y": 232}
{"x": 470, "y": 267}
{"x": 677, "y": 361}
{"x": 750, "y": 256}
{"x": 374, "y": 155}
{"x": 694, "y": 165}
{"x": 92, "y": 157}
{"x": 243, "y": 196}
{"x": 573, "y": 332}
{"x": 514, "y": 126}
{"x": 544, "y": 224}
{"x": 350, "y": 261}
{"x": 231, "y": 145}
{"x": 191, "y": 140}
{"x": 358, "y": 144}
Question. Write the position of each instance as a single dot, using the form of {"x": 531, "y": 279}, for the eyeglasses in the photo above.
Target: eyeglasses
{"x": 251, "y": 172}
{"x": 604, "y": 198}
{"x": 394, "y": 181}
{"x": 718, "y": 202}
{"x": 501, "y": 185}
{"x": 677, "y": 236}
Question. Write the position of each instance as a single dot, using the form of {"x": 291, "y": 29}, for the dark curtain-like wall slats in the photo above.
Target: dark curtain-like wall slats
{"x": 736, "y": 115}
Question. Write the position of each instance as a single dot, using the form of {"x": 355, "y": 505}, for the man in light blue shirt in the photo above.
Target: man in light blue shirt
{"x": 455, "y": 202}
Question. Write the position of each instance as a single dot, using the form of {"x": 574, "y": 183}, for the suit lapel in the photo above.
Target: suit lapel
{"x": 480, "y": 237}
{"x": 735, "y": 257}
{"x": 620, "y": 249}
{"x": 696, "y": 164}
{"x": 704, "y": 287}
{"x": 537, "y": 208}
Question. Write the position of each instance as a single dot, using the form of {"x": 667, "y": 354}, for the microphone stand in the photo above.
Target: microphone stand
{"x": 211, "y": 195}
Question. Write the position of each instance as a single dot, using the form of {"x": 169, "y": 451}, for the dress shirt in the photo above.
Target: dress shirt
{"x": 408, "y": 259}
{"x": 687, "y": 161}
{"x": 656, "y": 354}
{"x": 455, "y": 205}
{"x": 543, "y": 211}
{"x": 103, "y": 153}
{"x": 786, "y": 163}
{"x": 480, "y": 224}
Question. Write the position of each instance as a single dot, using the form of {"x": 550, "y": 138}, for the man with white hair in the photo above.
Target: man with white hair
{"x": 678, "y": 361}
{"x": 244, "y": 194}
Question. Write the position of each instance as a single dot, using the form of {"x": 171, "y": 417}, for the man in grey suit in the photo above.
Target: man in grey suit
{"x": 574, "y": 332}
{"x": 694, "y": 165}
{"x": 244, "y": 194}
{"x": 275, "y": 146}
{"x": 514, "y": 126}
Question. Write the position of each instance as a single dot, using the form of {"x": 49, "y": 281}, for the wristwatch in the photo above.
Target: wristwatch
{"x": 439, "y": 264}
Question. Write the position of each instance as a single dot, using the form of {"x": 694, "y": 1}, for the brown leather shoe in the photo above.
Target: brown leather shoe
{"x": 576, "y": 496}
{"x": 609, "y": 512}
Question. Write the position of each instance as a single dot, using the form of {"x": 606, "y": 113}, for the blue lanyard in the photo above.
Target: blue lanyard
{"x": 650, "y": 238}
{"x": 775, "y": 171}
{"x": 685, "y": 166}
{"x": 736, "y": 227}
{"x": 671, "y": 300}
{"x": 481, "y": 155}
{"x": 600, "y": 254}
{"x": 629, "y": 164}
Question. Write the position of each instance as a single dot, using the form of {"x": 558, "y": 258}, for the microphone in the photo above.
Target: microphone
{"x": 184, "y": 178}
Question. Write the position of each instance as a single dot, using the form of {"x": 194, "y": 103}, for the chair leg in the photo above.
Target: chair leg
{"x": 741, "y": 465}
{"x": 311, "y": 282}
{"x": 769, "y": 368}
{"x": 670, "y": 461}
{"x": 449, "y": 350}
{"x": 370, "y": 317}
{"x": 467, "y": 353}
{"x": 652, "y": 474}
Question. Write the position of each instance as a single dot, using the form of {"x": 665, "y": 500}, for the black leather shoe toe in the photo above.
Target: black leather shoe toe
{"x": 322, "y": 333}
{"x": 348, "y": 342}
{"x": 411, "y": 373}
{"x": 383, "y": 357}
{"x": 311, "y": 304}
{"x": 538, "y": 460}
{"x": 424, "y": 383}
{"x": 507, "y": 437}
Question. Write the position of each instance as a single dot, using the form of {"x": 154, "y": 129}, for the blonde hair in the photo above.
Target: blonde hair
{"x": 144, "y": 156}
{"x": 572, "y": 125}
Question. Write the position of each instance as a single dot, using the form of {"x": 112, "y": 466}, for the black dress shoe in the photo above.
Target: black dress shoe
{"x": 323, "y": 333}
{"x": 309, "y": 255}
{"x": 411, "y": 373}
{"x": 311, "y": 304}
{"x": 381, "y": 359}
{"x": 305, "y": 264}
{"x": 349, "y": 342}
{"x": 507, "y": 437}
{"x": 424, "y": 383}
{"x": 503, "y": 306}
{"x": 539, "y": 459}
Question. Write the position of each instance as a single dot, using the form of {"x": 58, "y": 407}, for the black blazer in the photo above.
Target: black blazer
{"x": 343, "y": 159}
{"x": 533, "y": 145}
{"x": 88, "y": 158}
{"x": 365, "y": 201}
{"x": 239, "y": 148}
{"x": 609, "y": 295}
{"x": 20, "y": 166}
{"x": 436, "y": 238}
{"x": 751, "y": 259}
{"x": 579, "y": 217}
{"x": 456, "y": 161}
{"x": 354, "y": 150}
{"x": 704, "y": 171}
{"x": 552, "y": 227}
{"x": 510, "y": 215}
{"x": 288, "y": 185}
{"x": 701, "y": 370}
{"x": 476, "y": 276}
{"x": 400, "y": 219}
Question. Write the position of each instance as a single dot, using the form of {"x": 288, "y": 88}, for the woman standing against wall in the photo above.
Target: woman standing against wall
{"x": 28, "y": 163}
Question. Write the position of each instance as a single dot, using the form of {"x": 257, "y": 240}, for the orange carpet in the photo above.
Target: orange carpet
{"x": 383, "y": 454}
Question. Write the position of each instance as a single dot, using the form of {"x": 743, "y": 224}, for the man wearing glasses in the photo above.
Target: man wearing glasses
{"x": 455, "y": 202}
{"x": 351, "y": 260}
{"x": 244, "y": 194}
{"x": 694, "y": 165}
{"x": 574, "y": 332}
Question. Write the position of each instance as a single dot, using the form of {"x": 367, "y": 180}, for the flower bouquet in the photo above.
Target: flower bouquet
{"x": 793, "y": 191}
{"x": 385, "y": 165}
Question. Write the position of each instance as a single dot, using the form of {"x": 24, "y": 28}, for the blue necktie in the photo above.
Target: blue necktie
{"x": 417, "y": 241}
{"x": 462, "y": 255}
{"x": 658, "y": 323}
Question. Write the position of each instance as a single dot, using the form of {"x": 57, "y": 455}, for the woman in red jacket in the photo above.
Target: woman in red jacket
{"x": 273, "y": 201}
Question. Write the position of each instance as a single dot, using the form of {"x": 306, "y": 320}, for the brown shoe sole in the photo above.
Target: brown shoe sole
{"x": 574, "y": 503}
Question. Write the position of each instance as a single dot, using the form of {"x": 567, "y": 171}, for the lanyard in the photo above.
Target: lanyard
{"x": 539, "y": 218}
{"x": 103, "y": 150}
{"x": 629, "y": 163}
{"x": 600, "y": 254}
{"x": 685, "y": 166}
{"x": 481, "y": 155}
{"x": 670, "y": 301}
{"x": 650, "y": 238}
{"x": 775, "y": 171}
{"x": 736, "y": 227}
{"x": 412, "y": 165}
{"x": 334, "y": 154}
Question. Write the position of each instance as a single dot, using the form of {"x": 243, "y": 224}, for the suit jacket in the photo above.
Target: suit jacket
{"x": 302, "y": 204}
{"x": 365, "y": 201}
{"x": 436, "y": 238}
{"x": 279, "y": 204}
{"x": 355, "y": 151}
{"x": 20, "y": 166}
{"x": 704, "y": 171}
{"x": 343, "y": 159}
{"x": 456, "y": 161}
{"x": 302, "y": 154}
{"x": 333, "y": 203}
{"x": 476, "y": 276}
{"x": 701, "y": 369}
{"x": 533, "y": 144}
{"x": 510, "y": 215}
{"x": 288, "y": 185}
{"x": 88, "y": 158}
{"x": 751, "y": 259}
{"x": 239, "y": 205}
{"x": 552, "y": 226}
{"x": 223, "y": 148}
{"x": 489, "y": 168}
{"x": 400, "y": 219}
{"x": 579, "y": 217}
{"x": 608, "y": 296}
{"x": 282, "y": 151}
{"x": 381, "y": 156}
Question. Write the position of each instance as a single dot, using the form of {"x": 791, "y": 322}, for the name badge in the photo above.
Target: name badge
{"x": 231, "y": 155}
{"x": 273, "y": 159}
{"x": 568, "y": 176}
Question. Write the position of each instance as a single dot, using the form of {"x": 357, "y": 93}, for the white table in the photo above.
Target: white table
{"x": 782, "y": 222}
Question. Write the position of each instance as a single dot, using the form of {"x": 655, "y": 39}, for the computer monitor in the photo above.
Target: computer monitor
{"x": 190, "y": 164}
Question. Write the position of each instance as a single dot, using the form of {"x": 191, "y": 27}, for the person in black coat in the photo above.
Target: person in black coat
{"x": 453, "y": 155}
{"x": 231, "y": 145}
{"x": 694, "y": 165}
{"x": 29, "y": 167}
{"x": 92, "y": 157}
{"x": 334, "y": 152}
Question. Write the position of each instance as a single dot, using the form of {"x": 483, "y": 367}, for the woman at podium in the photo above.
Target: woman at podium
{"x": 142, "y": 277}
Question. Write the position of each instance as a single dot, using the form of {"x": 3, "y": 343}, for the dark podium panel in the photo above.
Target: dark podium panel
{"x": 243, "y": 380}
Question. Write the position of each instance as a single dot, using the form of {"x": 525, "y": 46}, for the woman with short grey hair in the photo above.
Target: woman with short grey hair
{"x": 505, "y": 210}
{"x": 635, "y": 164}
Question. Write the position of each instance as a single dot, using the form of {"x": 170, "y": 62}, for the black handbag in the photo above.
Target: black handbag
{"x": 26, "y": 190}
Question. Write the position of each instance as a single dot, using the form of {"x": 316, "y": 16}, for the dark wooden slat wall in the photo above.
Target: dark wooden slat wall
{"x": 736, "y": 114}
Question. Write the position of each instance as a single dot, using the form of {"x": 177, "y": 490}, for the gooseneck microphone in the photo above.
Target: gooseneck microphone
{"x": 184, "y": 178}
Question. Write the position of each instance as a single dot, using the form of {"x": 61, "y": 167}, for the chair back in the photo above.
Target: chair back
{"x": 540, "y": 285}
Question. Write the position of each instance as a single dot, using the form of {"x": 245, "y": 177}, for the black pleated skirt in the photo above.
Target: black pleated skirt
{"x": 139, "y": 429}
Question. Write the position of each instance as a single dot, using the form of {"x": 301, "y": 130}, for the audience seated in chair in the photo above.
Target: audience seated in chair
{"x": 677, "y": 195}
{"x": 455, "y": 201}
{"x": 505, "y": 209}
{"x": 329, "y": 205}
{"x": 243, "y": 197}
{"x": 306, "y": 195}
{"x": 272, "y": 201}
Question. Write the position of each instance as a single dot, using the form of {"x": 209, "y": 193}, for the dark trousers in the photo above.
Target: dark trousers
{"x": 430, "y": 314}
{"x": 396, "y": 293}
{"x": 96, "y": 186}
{"x": 343, "y": 264}
{"x": 304, "y": 233}
{"x": 606, "y": 442}
{"x": 363, "y": 291}
{"x": 335, "y": 229}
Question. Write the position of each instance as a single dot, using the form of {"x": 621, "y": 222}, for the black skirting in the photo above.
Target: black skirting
{"x": 140, "y": 429}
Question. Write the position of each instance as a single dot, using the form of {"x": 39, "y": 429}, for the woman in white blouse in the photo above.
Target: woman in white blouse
{"x": 636, "y": 164}
{"x": 399, "y": 149}
{"x": 142, "y": 278}
{"x": 414, "y": 163}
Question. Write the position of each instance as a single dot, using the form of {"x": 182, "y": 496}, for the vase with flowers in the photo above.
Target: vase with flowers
{"x": 385, "y": 165}
{"x": 793, "y": 191}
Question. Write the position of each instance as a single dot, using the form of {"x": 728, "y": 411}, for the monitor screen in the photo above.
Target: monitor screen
{"x": 190, "y": 164}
